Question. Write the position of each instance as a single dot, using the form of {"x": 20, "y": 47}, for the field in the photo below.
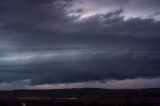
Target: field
{"x": 81, "y": 97}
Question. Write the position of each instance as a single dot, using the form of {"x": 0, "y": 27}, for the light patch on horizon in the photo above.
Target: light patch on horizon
{"x": 106, "y": 84}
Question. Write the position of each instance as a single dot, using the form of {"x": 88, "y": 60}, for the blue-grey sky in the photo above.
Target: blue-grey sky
{"x": 74, "y": 43}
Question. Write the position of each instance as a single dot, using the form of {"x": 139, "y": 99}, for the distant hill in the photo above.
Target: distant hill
{"x": 80, "y": 92}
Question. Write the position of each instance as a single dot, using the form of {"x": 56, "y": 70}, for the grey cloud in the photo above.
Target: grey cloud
{"x": 78, "y": 66}
{"x": 132, "y": 8}
{"x": 42, "y": 42}
{"x": 20, "y": 84}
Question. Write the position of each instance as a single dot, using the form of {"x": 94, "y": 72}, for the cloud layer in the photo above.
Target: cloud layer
{"x": 66, "y": 41}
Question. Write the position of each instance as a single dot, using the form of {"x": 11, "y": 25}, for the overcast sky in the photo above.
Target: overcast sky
{"x": 79, "y": 43}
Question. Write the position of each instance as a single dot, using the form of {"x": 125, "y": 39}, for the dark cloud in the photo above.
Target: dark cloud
{"x": 41, "y": 41}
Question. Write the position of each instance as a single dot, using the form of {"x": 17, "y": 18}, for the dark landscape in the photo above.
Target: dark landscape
{"x": 81, "y": 97}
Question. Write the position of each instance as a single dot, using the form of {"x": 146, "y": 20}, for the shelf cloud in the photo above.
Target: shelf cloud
{"x": 79, "y": 41}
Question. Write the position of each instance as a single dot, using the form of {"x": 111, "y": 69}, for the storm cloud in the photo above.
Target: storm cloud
{"x": 74, "y": 41}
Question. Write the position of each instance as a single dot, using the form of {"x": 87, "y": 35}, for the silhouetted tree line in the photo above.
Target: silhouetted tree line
{"x": 71, "y": 103}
